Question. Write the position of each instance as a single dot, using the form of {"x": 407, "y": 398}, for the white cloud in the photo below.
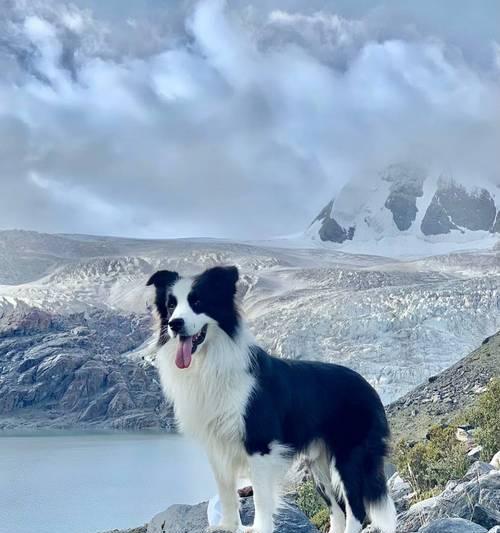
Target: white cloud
{"x": 228, "y": 124}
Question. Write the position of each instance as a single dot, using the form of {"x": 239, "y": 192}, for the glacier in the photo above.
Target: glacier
{"x": 77, "y": 348}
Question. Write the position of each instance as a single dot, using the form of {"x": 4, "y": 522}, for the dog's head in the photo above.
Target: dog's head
{"x": 189, "y": 306}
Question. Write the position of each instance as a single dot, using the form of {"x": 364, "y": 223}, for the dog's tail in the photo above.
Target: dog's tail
{"x": 378, "y": 502}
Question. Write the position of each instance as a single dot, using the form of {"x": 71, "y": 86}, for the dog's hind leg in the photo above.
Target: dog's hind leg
{"x": 267, "y": 472}
{"x": 328, "y": 488}
{"x": 349, "y": 477}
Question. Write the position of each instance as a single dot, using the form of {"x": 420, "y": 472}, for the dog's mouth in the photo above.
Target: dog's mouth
{"x": 187, "y": 346}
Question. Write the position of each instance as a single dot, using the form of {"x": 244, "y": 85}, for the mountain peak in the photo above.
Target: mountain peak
{"x": 406, "y": 200}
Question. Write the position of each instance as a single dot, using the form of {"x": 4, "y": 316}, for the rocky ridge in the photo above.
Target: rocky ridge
{"x": 444, "y": 395}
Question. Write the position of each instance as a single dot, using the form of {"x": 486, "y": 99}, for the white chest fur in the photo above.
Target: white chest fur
{"x": 210, "y": 396}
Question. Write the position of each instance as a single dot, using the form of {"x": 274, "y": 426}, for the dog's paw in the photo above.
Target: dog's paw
{"x": 223, "y": 528}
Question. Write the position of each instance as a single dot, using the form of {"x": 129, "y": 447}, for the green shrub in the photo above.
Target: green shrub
{"x": 322, "y": 520}
{"x": 430, "y": 464}
{"x": 308, "y": 499}
{"x": 485, "y": 416}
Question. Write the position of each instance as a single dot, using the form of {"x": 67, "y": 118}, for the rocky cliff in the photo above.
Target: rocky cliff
{"x": 77, "y": 370}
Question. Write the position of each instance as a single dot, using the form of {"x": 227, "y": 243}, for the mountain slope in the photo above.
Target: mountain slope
{"x": 77, "y": 370}
{"x": 443, "y": 396}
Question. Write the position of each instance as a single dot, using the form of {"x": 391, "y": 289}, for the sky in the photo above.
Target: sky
{"x": 238, "y": 119}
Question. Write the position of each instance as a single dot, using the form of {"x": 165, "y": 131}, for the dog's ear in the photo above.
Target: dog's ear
{"x": 163, "y": 278}
{"x": 224, "y": 277}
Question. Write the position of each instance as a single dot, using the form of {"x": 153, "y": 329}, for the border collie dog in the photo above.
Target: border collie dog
{"x": 255, "y": 413}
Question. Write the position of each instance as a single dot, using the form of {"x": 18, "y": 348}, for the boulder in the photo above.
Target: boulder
{"x": 476, "y": 470}
{"x": 460, "y": 500}
{"x": 193, "y": 519}
{"x": 495, "y": 462}
{"x": 180, "y": 519}
{"x": 485, "y": 516}
{"x": 475, "y": 452}
{"x": 452, "y": 525}
{"x": 416, "y": 516}
{"x": 401, "y": 492}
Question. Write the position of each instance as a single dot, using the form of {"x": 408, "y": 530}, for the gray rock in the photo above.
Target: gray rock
{"x": 180, "y": 519}
{"x": 485, "y": 516}
{"x": 401, "y": 492}
{"x": 290, "y": 518}
{"x": 490, "y": 491}
{"x": 416, "y": 516}
{"x": 330, "y": 229}
{"x": 453, "y": 207}
{"x": 460, "y": 500}
{"x": 452, "y": 525}
{"x": 477, "y": 470}
{"x": 406, "y": 187}
{"x": 495, "y": 461}
{"x": 436, "y": 221}
{"x": 193, "y": 519}
{"x": 495, "y": 529}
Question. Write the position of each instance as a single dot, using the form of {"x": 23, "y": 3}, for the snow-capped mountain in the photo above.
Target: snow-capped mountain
{"x": 408, "y": 203}
{"x": 77, "y": 350}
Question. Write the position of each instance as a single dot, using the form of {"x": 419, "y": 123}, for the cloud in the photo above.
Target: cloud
{"x": 218, "y": 119}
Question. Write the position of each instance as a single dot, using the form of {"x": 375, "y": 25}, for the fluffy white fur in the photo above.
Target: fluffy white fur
{"x": 209, "y": 400}
{"x": 383, "y": 515}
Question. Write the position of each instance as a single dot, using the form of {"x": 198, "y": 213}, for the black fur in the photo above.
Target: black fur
{"x": 162, "y": 280}
{"x": 213, "y": 293}
{"x": 298, "y": 402}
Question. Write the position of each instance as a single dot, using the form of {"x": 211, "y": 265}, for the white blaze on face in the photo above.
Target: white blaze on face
{"x": 193, "y": 322}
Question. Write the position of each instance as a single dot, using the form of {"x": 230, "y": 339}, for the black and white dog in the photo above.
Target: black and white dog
{"x": 255, "y": 413}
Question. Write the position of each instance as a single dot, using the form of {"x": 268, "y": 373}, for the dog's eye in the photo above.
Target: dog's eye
{"x": 172, "y": 302}
{"x": 195, "y": 303}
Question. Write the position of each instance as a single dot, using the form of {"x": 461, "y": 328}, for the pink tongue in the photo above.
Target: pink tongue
{"x": 183, "y": 356}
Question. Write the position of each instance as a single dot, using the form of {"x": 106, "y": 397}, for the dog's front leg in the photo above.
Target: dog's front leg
{"x": 267, "y": 472}
{"x": 225, "y": 477}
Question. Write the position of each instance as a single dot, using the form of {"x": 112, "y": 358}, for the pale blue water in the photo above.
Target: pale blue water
{"x": 91, "y": 483}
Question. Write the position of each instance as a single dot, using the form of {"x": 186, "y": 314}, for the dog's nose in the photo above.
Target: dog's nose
{"x": 176, "y": 325}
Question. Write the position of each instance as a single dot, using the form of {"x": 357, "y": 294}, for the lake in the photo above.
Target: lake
{"x": 90, "y": 483}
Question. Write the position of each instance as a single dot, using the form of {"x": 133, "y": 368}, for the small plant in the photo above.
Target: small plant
{"x": 308, "y": 499}
{"x": 430, "y": 464}
{"x": 322, "y": 520}
{"x": 485, "y": 416}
